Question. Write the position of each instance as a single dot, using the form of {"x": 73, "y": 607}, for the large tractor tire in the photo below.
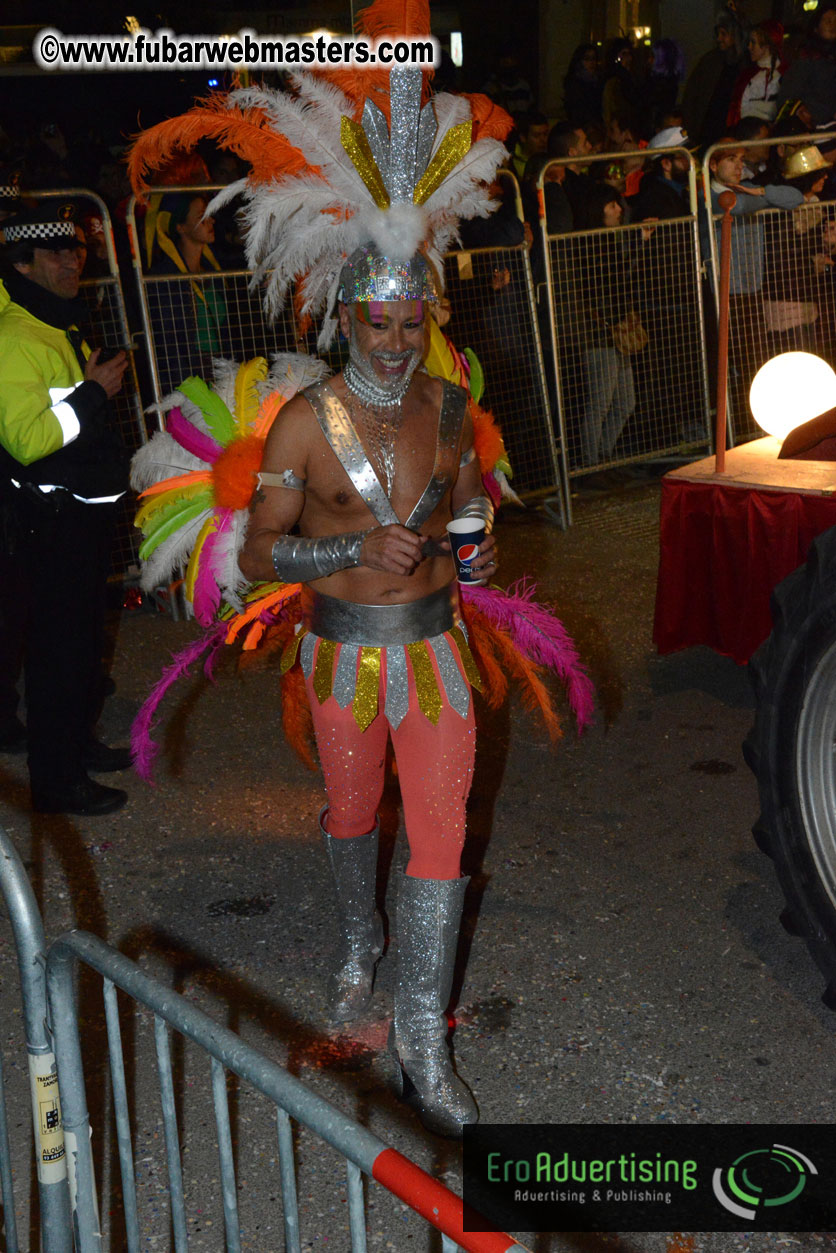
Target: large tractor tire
{"x": 792, "y": 751}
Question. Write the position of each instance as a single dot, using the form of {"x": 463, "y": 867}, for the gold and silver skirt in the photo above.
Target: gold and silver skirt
{"x": 347, "y": 646}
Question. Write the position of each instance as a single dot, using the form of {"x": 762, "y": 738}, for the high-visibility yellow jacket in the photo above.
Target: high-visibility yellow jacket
{"x": 51, "y": 419}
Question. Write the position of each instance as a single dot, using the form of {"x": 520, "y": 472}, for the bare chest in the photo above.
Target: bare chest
{"x": 398, "y": 471}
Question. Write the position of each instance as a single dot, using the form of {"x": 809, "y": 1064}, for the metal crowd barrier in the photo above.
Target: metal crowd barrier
{"x": 50, "y": 1160}
{"x": 494, "y": 311}
{"x": 782, "y": 280}
{"x": 627, "y": 344}
{"x": 188, "y": 319}
{"x": 362, "y": 1151}
{"x": 69, "y": 1215}
{"x": 105, "y": 301}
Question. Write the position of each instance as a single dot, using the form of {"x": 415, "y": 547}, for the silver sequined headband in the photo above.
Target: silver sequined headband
{"x": 367, "y": 275}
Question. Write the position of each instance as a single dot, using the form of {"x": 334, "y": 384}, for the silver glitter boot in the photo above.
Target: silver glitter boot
{"x": 429, "y": 914}
{"x": 354, "y": 867}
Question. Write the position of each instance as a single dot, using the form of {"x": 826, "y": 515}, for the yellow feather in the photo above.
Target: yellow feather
{"x": 158, "y": 504}
{"x": 246, "y": 393}
{"x": 439, "y": 360}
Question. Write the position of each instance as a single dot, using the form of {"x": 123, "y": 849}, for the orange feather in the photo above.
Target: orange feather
{"x": 304, "y": 321}
{"x": 535, "y": 695}
{"x": 494, "y": 680}
{"x": 487, "y": 437}
{"x": 394, "y": 17}
{"x": 297, "y": 722}
{"x": 183, "y": 169}
{"x": 272, "y": 638}
{"x": 246, "y": 132}
{"x": 264, "y": 600}
{"x": 233, "y": 474}
{"x": 266, "y": 415}
{"x": 498, "y": 659}
{"x": 178, "y": 480}
{"x": 489, "y": 120}
{"x": 382, "y": 18}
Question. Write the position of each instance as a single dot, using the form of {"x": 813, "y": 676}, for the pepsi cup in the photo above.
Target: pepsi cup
{"x": 466, "y": 534}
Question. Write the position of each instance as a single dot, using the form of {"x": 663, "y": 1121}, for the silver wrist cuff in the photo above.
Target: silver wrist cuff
{"x": 478, "y": 507}
{"x": 299, "y": 559}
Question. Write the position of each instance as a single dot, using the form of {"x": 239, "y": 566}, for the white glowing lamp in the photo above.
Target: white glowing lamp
{"x": 791, "y": 389}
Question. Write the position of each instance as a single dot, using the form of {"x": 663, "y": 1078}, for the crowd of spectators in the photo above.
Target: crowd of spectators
{"x": 624, "y": 105}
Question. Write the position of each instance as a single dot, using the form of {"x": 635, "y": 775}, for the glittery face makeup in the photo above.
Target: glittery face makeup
{"x": 386, "y": 342}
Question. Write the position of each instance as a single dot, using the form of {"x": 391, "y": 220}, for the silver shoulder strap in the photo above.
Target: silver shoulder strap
{"x": 344, "y": 442}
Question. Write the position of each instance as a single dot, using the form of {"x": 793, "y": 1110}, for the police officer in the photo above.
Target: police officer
{"x": 62, "y": 470}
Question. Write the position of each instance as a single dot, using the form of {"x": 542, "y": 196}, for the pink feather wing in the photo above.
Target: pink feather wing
{"x": 190, "y": 438}
{"x": 540, "y": 636}
{"x": 143, "y": 748}
{"x": 207, "y": 593}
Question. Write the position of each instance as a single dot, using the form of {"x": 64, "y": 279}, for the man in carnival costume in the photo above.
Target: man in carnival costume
{"x": 356, "y": 186}
{"x": 372, "y": 465}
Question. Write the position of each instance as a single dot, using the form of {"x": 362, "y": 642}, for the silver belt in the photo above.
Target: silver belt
{"x": 348, "y": 622}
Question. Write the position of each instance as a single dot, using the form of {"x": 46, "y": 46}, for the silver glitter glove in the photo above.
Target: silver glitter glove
{"x": 480, "y": 507}
{"x": 300, "y": 559}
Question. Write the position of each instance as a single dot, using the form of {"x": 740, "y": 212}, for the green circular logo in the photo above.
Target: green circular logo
{"x": 762, "y": 1179}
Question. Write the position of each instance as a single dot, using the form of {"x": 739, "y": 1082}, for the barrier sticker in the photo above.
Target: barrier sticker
{"x": 46, "y": 1114}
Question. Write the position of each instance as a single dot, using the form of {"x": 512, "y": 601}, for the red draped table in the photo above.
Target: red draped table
{"x": 727, "y": 539}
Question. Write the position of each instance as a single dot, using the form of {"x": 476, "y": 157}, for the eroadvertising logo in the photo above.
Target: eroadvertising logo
{"x": 656, "y": 1177}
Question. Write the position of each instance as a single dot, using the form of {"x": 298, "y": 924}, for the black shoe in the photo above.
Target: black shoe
{"x": 103, "y": 760}
{"x": 86, "y": 797}
{"x": 13, "y": 737}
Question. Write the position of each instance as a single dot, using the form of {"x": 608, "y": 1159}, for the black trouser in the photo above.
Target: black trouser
{"x": 12, "y": 628}
{"x": 61, "y": 559}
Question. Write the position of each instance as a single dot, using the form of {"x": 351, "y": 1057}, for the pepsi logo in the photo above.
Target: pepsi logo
{"x": 467, "y": 552}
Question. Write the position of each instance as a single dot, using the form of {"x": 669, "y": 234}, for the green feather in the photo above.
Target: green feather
{"x": 172, "y": 521}
{"x": 218, "y": 418}
{"x": 477, "y": 377}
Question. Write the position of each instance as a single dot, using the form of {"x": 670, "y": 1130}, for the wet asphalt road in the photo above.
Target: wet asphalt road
{"x": 623, "y": 959}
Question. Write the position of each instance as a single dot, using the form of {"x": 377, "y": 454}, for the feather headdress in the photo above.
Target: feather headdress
{"x": 196, "y": 478}
{"x": 351, "y": 157}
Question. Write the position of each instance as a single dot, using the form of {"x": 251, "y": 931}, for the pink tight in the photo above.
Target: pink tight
{"x": 435, "y": 769}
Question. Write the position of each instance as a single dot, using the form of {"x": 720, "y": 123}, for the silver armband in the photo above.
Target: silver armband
{"x": 478, "y": 507}
{"x": 467, "y": 457}
{"x": 299, "y": 559}
{"x": 286, "y": 479}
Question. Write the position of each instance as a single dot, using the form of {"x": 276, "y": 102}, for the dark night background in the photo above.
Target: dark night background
{"x": 124, "y": 103}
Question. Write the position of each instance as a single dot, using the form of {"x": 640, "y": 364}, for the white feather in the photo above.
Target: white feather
{"x": 161, "y": 458}
{"x": 229, "y": 577}
{"x": 312, "y": 126}
{"x": 171, "y": 401}
{"x": 292, "y": 372}
{"x": 506, "y": 489}
{"x": 224, "y": 378}
{"x": 449, "y": 111}
{"x": 224, "y": 196}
